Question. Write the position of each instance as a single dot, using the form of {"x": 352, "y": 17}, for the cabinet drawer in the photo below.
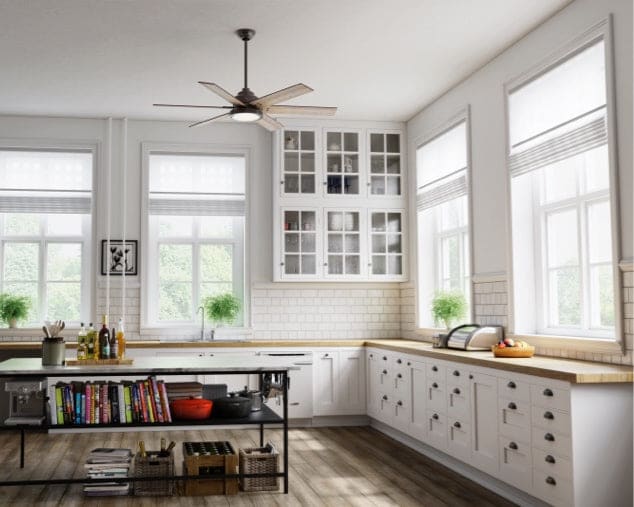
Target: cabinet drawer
{"x": 515, "y": 462}
{"x": 458, "y": 401}
{"x": 510, "y": 387}
{"x": 552, "y": 463}
{"x": 551, "y": 442}
{"x": 436, "y": 399}
{"x": 436, "y": 371}
{"x": 550, "y": 397}
{"x": 552, "y": 488}
{"x": 515, "y": 417}
{"x": 402, "y": 414}
{"x": 401, "y": 381}
{"x": 459, "y": 439}
{"x": 551, "y": 419}
{"x": 437, "y": 429}
{"x": 457, "y": 376}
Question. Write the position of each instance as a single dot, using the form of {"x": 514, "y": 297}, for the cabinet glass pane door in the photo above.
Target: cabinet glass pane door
{"x": 300, "y": 242}
{"x": 342, "y": 163}
{"x": 385, "y": 164}
{"x": 298, "y": 175}
{"x": 343, "y": 243}
{"x": 386, "y": 242}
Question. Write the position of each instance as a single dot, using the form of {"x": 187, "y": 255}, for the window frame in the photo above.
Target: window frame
{"x": 88, "y": 241}
{"x": 462, "y": 115}
{"x": 148, "y": 326}
{"x": 599, "y": 31}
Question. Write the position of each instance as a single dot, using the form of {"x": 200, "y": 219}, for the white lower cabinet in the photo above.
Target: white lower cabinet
{"x": 515, "y": 461}
{"x": 418, "y": 385}
{"x": 437, "y": 429}
{"x": 484, "y": 402}
{"x": 339, "y": 382}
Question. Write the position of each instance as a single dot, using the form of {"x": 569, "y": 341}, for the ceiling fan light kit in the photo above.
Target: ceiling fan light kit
{"x": 248, "y": 107}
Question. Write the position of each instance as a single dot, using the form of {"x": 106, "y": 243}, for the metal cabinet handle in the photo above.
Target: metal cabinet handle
{"x": 456, "y": 373}
{"x": 399, "y": 361}
{"x": 399, "y": 375}
{"x": 371, "y": 355}
{"x": 547, "y": 392}
{"x": 511, "y": 385}
{"x": 456, "y": 391}
{"x": 512, "y": 406}
{"x": 471, "y": 376}
{"x": 399, "y": 403}
{"x": 513, "y": 446}
{"x": 435, "y": 416}
{"x": 550, "y": 437}
{"x": 434, "y": 385}
{"x": 434, "y": 368}
{"x": 548, "y": 415}
{"x": 551, "y": 480}
{"x": 384, "y": 372}
{"x": 294, "y": 404}
{"x": 326, "y": 355}
{"x": 549, "y": 459}
{"x": 385, "y": 397}
{"x": 457, "y": 425}
{"x": 408, "y": 363}
{"x": 384, "y": 358}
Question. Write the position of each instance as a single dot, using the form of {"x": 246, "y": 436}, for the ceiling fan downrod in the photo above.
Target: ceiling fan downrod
{"x": 246, "y": 95}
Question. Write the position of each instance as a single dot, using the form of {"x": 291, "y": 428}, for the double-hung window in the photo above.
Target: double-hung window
{"x": 563, "y": 240}
{"x": 45, "y": 231}
{"x": 442, "y": 203}
{"x": 196, "y": 222}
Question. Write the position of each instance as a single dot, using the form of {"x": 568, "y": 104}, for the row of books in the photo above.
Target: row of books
{"x": 108, "y": 463}
{"x": 101, "y": 402}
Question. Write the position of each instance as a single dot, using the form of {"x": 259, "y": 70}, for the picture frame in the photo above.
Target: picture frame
{"x": 119, "y": 255}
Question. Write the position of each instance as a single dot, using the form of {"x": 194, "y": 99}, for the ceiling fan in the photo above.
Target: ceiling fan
{"x": 247, "y": 107}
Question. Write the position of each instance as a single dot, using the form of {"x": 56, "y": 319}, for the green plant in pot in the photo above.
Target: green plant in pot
{"x": 447, "y": 307}
{"x": 13, "y": 308}
{"x": 222, "y": 309}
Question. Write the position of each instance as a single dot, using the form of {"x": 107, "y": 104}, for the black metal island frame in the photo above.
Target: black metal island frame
{"x": 25, "y": 368}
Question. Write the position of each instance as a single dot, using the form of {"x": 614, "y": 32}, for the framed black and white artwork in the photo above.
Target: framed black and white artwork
{"x": 118, "y": 257}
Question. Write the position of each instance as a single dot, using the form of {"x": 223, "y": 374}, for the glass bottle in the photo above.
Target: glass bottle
{"x": 104, "y": 339}
{"x": 114, "y": 349}
{"x": 90, "y": 342}
{"x": 120, "y": 341}
{"x": 82, "y": 347}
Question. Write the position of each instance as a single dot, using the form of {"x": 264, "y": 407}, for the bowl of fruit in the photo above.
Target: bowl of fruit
{"x": 512, "y": 348}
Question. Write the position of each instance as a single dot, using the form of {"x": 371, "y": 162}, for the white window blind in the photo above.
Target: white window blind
{"x": 39, "y": 181}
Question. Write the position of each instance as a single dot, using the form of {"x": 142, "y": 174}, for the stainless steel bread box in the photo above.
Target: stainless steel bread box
{"x": 474, "y": 337}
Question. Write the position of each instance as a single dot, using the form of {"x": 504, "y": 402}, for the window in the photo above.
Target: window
{"x": 443, "y": 217}
{"x": 45, "y": 231}
{"x": 196, "y": 220}
{"x": 562, "y": 231}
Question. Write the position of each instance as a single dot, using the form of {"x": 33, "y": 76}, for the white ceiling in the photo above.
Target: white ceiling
{"x": 374, "y": 59}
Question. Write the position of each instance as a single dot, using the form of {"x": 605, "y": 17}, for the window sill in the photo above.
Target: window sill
{"x": 185, "y": 333}
{"x": 577, "y": 344}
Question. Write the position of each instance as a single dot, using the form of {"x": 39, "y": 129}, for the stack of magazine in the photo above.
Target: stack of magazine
{"x": 108, "y": 463}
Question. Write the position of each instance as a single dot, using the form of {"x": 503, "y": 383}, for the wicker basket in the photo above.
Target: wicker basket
{"x": 154, "y": 465}
{"x": 513, "y": 351}
{"x": 259, "y": 460}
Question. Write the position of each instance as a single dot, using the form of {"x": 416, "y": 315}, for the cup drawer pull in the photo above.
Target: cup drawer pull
{"x": 435, "y": 417}
{"x": 551, "y": 480}
{"x": 513, "y": 446}
{"x": 550, "y": 437}
{"x": 434, "y": 368}
{"x": 549, "y": 415}
{"x": 511, "y": 385}
{"x": 550, "y": 459}
{"x": 456, "y": 373}
{"x": 512, "y": 406}
{"x": 434, "y": 385}
{"x": 457, "y": 425}
{"x": 456, "y": 391}
{"x": 548, "y": 392}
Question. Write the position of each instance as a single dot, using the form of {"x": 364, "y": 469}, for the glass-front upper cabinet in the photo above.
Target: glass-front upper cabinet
{"x": 385, "y": 164}
{"x": 342, "y": 163}
{"x": 299, "y": 243}
{"x": 298, "y": 163}
{"x": 343, "y": 243}
{"x": 386, "y": 243}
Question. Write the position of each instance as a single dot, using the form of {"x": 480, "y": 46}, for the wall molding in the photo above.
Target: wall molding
{"x": 326, "y": 285}
{"x": 492, "y": 276}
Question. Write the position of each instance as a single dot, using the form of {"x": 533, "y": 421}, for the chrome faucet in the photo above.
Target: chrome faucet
{"x": 202, "y": 323}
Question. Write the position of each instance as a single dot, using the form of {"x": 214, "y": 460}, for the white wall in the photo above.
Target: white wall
{"x": 483, "y": 92}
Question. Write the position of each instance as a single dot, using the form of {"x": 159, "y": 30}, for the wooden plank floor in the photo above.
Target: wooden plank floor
{"x": 353, "y": 466}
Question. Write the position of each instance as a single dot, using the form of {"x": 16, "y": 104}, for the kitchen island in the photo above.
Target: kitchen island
{"x": 30, "y": 368}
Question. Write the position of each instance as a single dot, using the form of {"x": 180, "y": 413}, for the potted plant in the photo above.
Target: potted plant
{"x": 13, "y": 308}
{"x": 222, "y": 309}
{"x": 448, "y": 306}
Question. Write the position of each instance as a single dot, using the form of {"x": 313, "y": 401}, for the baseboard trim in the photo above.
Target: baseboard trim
{"x": 491, "y": 483}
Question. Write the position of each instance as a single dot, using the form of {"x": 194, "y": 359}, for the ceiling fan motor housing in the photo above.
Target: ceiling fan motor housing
{"x": 246, "y": 34}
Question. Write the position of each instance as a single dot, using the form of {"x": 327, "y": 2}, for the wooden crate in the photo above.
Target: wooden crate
{"x": 210, "y": 465}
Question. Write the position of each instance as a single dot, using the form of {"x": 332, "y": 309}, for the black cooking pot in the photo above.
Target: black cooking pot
{"x": 232, "y": 407}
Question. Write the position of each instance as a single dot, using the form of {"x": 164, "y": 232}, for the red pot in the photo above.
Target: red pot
{"x": 194, "y": 408}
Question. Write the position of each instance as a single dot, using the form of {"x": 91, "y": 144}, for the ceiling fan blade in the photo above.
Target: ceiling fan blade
{"x": 221, "y": 92}
{"x": 314, "y": 110}
{"x": 269, "y": 123}
{"x": 198, "y": 123}
{"x": 191, "y": 105}
{"x": 283, "y": 94}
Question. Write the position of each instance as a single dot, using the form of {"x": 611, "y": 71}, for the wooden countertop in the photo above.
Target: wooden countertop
{"x": 569, "y": 370}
